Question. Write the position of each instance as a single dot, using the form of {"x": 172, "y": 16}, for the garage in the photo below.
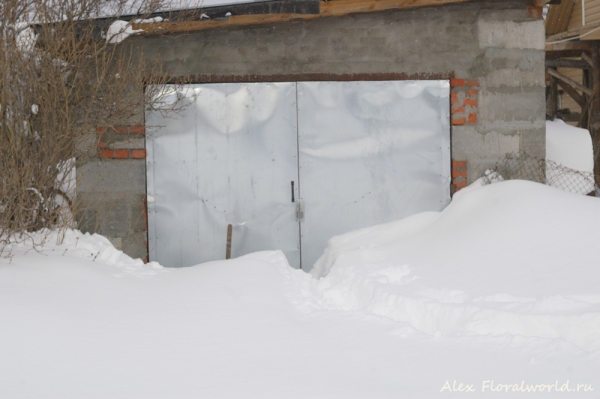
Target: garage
{"x": 291, "y": 164}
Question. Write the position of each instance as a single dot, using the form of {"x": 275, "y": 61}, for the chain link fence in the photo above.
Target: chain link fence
{"x": 523, "y": 166}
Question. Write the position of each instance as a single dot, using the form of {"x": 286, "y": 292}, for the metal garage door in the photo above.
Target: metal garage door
{"x": 370, "y": 152}
{"x": 358, "y": 153}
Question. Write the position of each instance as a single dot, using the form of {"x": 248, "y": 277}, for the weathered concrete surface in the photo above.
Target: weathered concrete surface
{"x": 111, "y": 196}
{"x": 496, "y": 44}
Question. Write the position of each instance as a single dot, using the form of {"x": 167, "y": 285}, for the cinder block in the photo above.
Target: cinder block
{"x": 477, "y": 167}
{"x": 513, "y": 35}
{"x": 135, "y": 245}
{"x": 112, "y": 176}
{"x": 533, "y": 142}
{"x": 468, "y": 143}
{"x": 115, "y": 218}
{"x": 515, "y": 77}
{"x": 517, "y": 105}
{"x": 138, "y": 213}
{"x": 87, "y": 220}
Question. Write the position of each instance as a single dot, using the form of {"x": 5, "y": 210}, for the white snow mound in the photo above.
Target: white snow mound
{"x": 510, "y": 259}
{"x": 569, "y": 146}
{"x": 87, "y": 246}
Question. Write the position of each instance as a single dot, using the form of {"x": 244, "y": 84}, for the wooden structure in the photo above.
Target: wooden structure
{"x": 256, "y": 13}
{"x": 573, "y": 67}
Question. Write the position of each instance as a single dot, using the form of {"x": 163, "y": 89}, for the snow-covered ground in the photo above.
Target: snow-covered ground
{"x": 498, "y": 291}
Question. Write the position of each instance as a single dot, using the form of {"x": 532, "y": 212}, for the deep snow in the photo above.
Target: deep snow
{"x": 569, "y": 146}
{"x": 499, "y": 288}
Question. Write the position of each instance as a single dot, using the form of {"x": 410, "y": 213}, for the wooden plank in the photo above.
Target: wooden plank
{"x": 583, "y": 118}
{"x": 587, "y": 59}
{"x": 581, "y": 30}
{"x": 572, "y": 93}
{"x": 596, "y": 80}
{"x": 345, "y": 7}
{"x": 558, "y": 17}
{"x": 228, "y": 244}
{"x": 553, "y": 103}
{"x": 328, "y": 9}
{"x": 560, "y": 63}
{"x": 569, "y": 46}
{"x": 235, "y": 20}
{"x": 570, "y": 81}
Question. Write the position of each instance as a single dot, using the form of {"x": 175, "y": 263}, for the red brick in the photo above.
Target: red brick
{"x": 459, "y": 164}
{"x": 138, "y": 154}
{"x": 471, "y": 92}
{"x": 461, "y": 184}
{"x": 137, "y": 130}
{"x": 459, "y": 173}
{"x": 472, "y": 118}
{"x": 453, "y": 98}
{"x": 121, "y": 129}
{"x": 472, "y": 83}
{"x": 460, "y": 121}
{"x": 457, "y": 82}
{"x": 457, "y": 110}
{"x": 470, "y": 101}
{"x": 106, "y": 154}
{"x": 535, "y": 12}
{"x": 121, "y": 154}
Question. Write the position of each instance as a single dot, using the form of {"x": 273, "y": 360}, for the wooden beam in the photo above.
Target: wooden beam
{"x": 345, "y": 7}
{"x": 572, "y": 92}
{"x": 595, "y": 79}
{"x": 581, "y": 30}
{"x": 583, "y": 118}
{"x": 569, "y": 46}
{"x": 557, "y": 20}
{"x": 578, "y": 86}
{"x": 540, "y": 3}
{"x": 235, "y": 20}
{"x": 587, "y": 59}
{"x": 559, "y": 63}
{"x": 553, "y": 103}
{"x": 330, "y": 8}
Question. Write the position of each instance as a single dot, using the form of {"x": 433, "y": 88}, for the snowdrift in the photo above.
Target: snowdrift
{"x": 499, "y": 288}
{"x": 511, "y": 259}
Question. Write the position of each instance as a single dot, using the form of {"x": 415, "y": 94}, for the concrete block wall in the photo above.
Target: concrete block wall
{"x": 111, "y": 188}
{"x": 492, "y": 53}
{"x": 510, "y": 70}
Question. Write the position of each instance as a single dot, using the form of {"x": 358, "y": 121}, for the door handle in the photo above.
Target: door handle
{"x": 293, "y": 191}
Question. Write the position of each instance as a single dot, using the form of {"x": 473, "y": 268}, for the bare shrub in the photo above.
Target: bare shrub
{"x": 60, "y": 78}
